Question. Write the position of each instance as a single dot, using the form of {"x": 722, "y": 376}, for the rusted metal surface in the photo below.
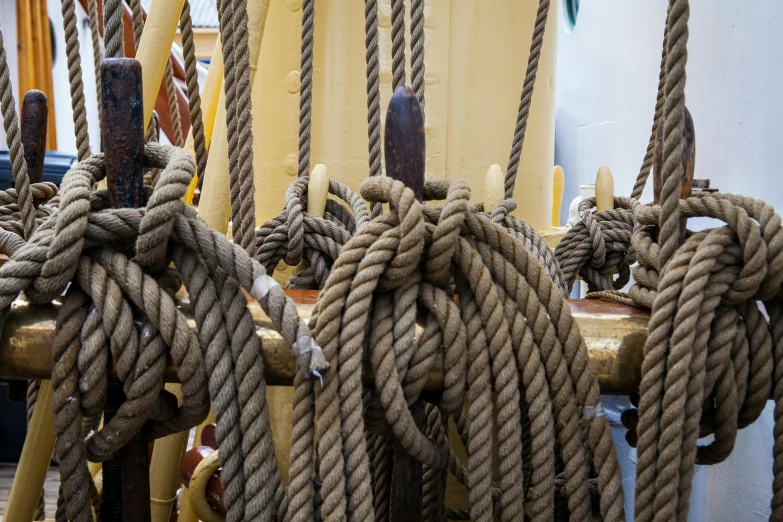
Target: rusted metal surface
{"x": 126, "y": 489}
{"x": 122, "y": 130}
{"x": 404, "y": 148}
{"x": 35, "y": 119}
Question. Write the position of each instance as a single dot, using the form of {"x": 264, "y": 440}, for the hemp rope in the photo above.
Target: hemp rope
{"x": 417, "y": 49}
{"x": 398, "y": 43}
{"x": 295, "y": 235}
{"x": 112, "y": 29}
{"x": 306, "y": 86}
{"x": 526, "y": 96}
{"x": 233, "y": 28}
{"x": 97, "y": 52}
{"x": 373, "y": 92}
{"x": 75, "y": 79}
{"x": 194, "y": 94}
{"x": 369, "y": 277}
{"x": 71, "y": 246}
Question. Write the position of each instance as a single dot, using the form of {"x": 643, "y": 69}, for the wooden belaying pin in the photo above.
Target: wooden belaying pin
{"x": 403, "y": 143}
{"x": 404, "y": 151}
{"x": 494, "y": 187}
{"x": 688, "y": 164}
{"x": 604, "y": 189}
{"x": 126, "y": 489}
{"x": 558, "y": 187}
{"x": 35, "y": 119}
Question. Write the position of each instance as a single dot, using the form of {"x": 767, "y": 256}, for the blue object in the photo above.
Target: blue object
{"x": 56, "y": 164}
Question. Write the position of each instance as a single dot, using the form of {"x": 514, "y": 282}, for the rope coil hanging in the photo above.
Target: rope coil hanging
{"x": 498, "y": 281}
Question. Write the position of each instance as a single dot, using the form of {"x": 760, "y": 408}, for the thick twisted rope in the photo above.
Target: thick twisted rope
{"x": 75, "y": 79}
{"x": 112, "y": 29}
{"x": 526, "y": 97}
{"x": 598, "y": 246}
{"x": 306, "y": 86}
{"x": 373, "y": 87}
{"x": 194, "y": 95}
{"x": 295, "y": 235}
{"x": 510, "y": 317}
{"x": 417, "y": 49}
{"x": 233, "y": 30}
{"x": 71, "y": 247}
{"x": 398, "y": 43}
{"x": 13, "y": 139}
{"x": 97, "y": 51}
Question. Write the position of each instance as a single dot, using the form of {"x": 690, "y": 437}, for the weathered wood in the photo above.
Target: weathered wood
{"x": 404, "y": 147}
{"x": 35, "y": 119}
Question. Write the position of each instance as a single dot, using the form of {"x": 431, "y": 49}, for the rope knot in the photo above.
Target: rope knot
{"x": 599, "y": 246}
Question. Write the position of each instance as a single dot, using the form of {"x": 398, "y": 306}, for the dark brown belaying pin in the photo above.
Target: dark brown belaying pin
{"x": 35, "y": 120}
{"x": 688, "y": 164}
{"x": 404, "y": 148}
{"x": 126, "y": 487}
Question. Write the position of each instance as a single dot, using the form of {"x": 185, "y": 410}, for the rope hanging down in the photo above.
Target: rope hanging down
{"x": 95, "y": 322}
{"x": 511, "y": 332}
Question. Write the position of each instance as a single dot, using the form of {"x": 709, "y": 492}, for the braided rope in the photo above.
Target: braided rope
{"x": 417, "y": 49}
{"x": 171, "y": 93}
{"x": 112, "y": 28}
{"x": 14, "y": 140}
{"x": 194, "y": 96}
{"x": 233, "y": 28}
{"x": 75, "y": 78}
{"x": 526, "y": 97}
{"x": 398, "y": 43}
{"x": 97, "y": 51}
{"x": 306, "y": 86}
{"x": 71, "y": 247}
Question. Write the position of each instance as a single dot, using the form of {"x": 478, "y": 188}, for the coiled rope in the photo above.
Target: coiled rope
{"x": 511, "y": 332}
{"x": 70, "y": 247}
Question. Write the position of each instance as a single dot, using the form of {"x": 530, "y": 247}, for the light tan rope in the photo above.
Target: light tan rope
{"x": 526, "y": 97}
{"x": 417, "y": 49}
{"x": 14, "y": 141}
{"x": 97, "y": 51}
{"x": 113, "y": 29}
{"x": 194, "y": 96}
{"x": 75, "y": 79}
{"x": 398, "y": 43}
{"x": 233, "y": 28}
{"x": 306, "y": 86}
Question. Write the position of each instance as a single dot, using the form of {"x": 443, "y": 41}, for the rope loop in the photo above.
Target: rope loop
{"x": 599, "y": 246}
{"x": 111, "y": 268}
{"x": 294, "y": 235}
{"x": 508, "y": 339}
{"x": 711, "y": 358}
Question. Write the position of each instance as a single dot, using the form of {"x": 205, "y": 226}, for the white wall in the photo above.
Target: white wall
{"x": 608, "y": 72}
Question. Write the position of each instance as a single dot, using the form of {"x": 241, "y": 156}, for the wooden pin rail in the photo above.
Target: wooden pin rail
{"x": 614, "y": 333}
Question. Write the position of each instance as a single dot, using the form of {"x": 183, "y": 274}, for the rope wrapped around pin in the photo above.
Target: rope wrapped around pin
{"x": 111, "y": 259}
{"x": 510, "y": 332}
{"x": 295, "y": 234}
{"x": 11, "y": 225}
{"x": 501, "y": 214}
{"x": 712, "y": 358}
{"x": 599, "y": 245}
